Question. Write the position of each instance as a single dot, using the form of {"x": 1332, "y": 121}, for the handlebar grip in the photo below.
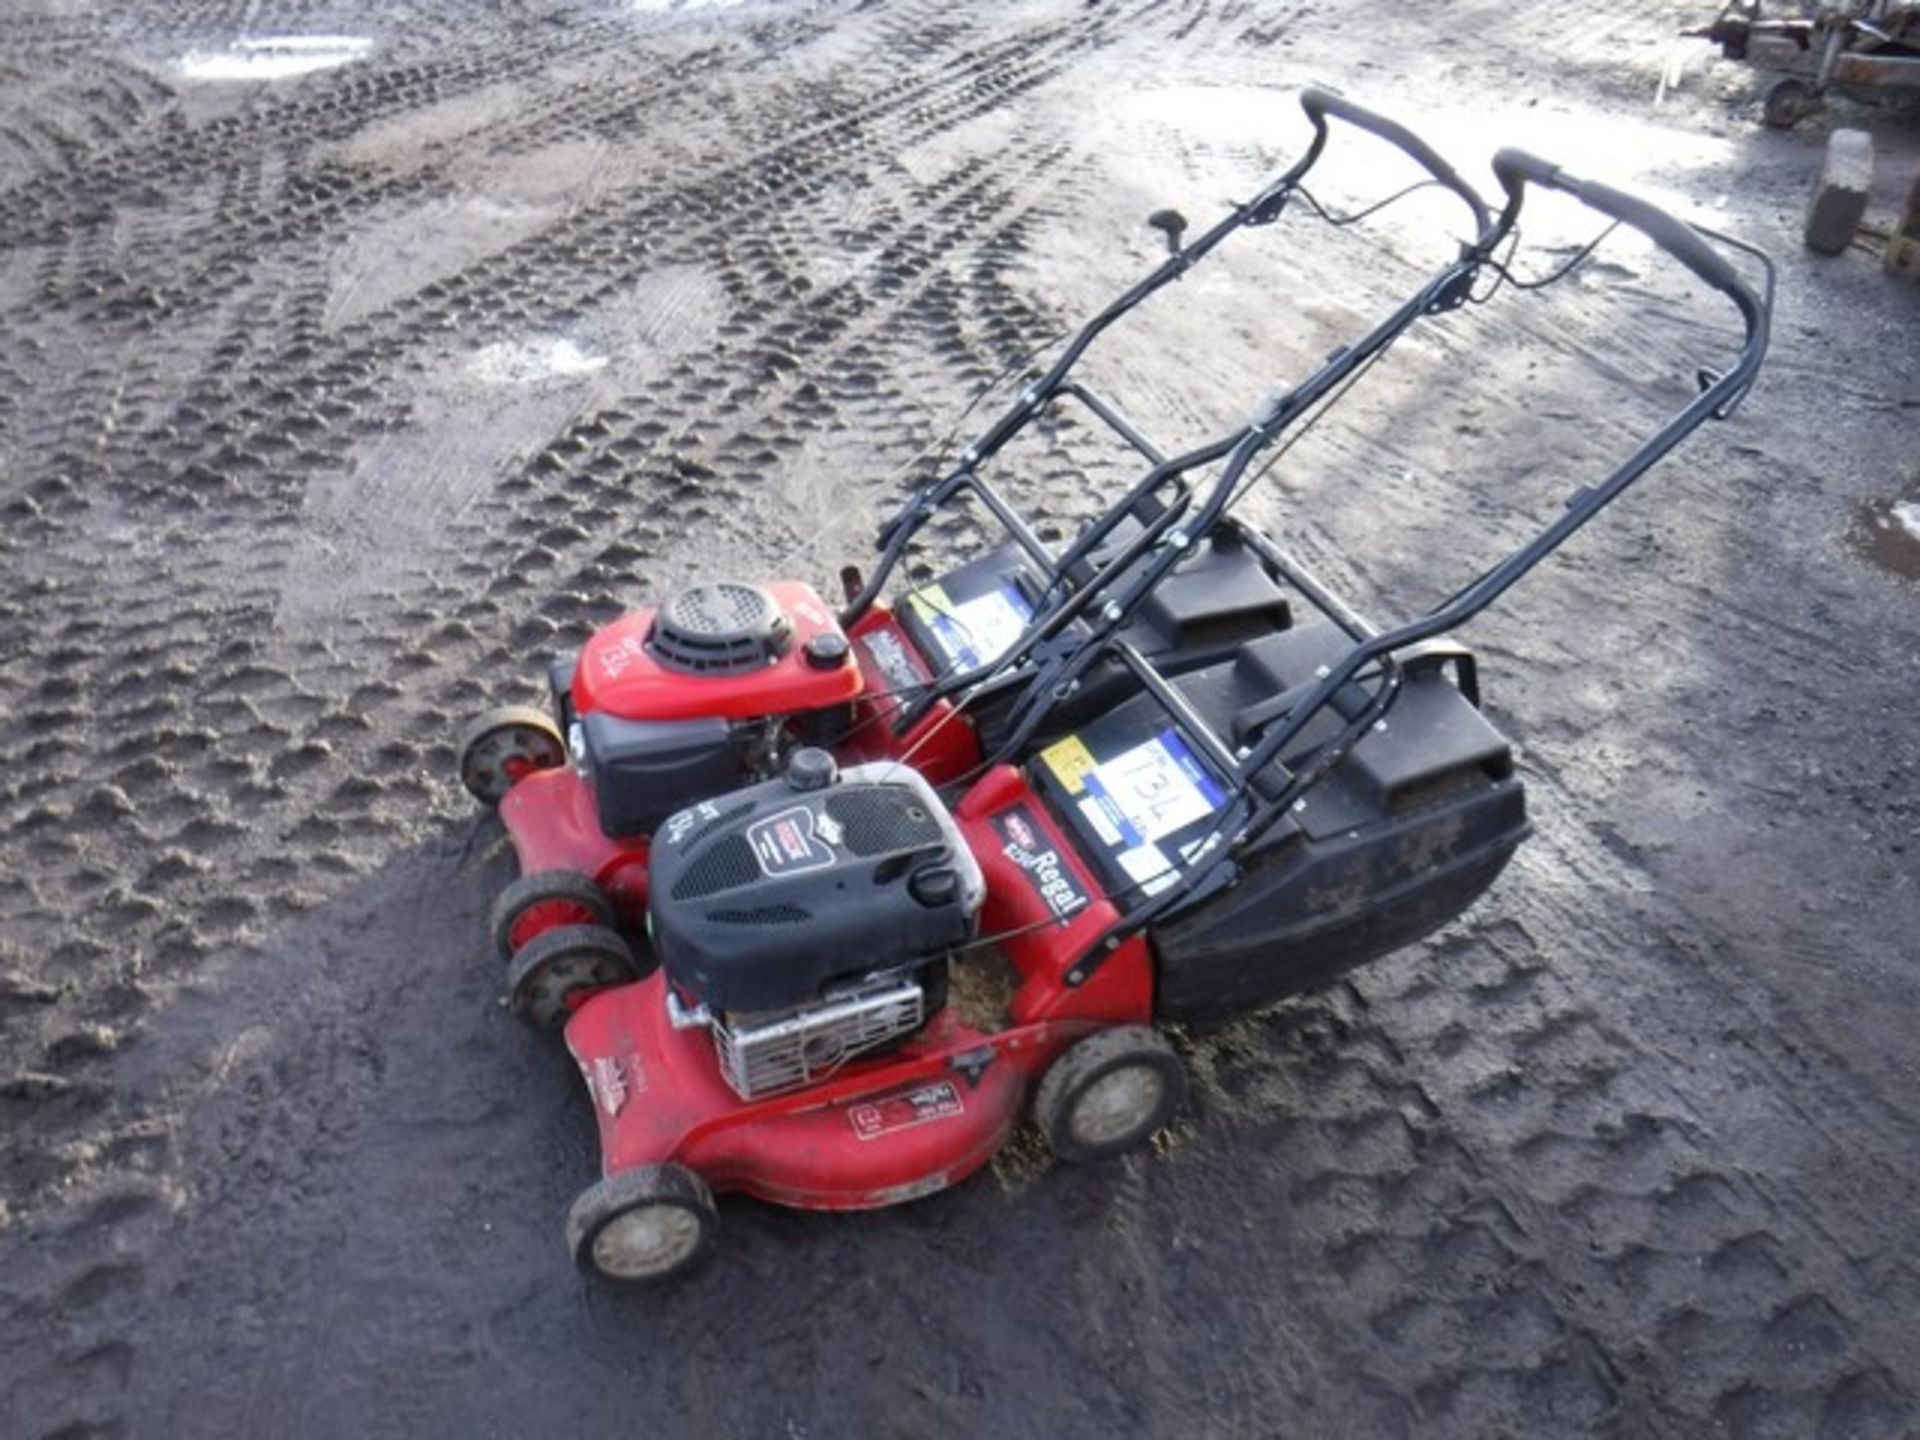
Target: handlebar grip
{"x": 1319, "y": 104}
{"x": 1516, "y": 169}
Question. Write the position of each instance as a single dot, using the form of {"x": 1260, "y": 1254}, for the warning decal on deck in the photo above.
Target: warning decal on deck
{"x": 892, "y": 659}
{"x": 873, "y": 1118}
{"x": 610, "y": 1082}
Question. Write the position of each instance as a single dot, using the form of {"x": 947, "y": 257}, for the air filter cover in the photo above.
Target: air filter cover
{"x": 720, "y": 628}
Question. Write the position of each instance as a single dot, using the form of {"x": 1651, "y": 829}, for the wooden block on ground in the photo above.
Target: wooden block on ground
{"x": 1840, "y": 199}
{"x": 1902, "y": 254}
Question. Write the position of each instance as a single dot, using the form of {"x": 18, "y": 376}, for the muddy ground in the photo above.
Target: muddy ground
{"x": 331, "y": 403}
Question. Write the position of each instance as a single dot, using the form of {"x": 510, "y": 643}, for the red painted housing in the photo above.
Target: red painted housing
{"x": 551, "y": 817}
{"x": 617, "y": 674}
{"x": 941, "y": 744}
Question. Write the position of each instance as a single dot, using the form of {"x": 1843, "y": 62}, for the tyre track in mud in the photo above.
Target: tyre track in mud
{"x": 1837, "y": 1366}
{"x": 65, "y": 223}
{"x": 1486, "y": 1185}
{"x": 275, "y": 701}
{"x": 52, "y": 206}
{"x": 602, "y": 237}
{"x": 49, "y": 126}
{"x": 489, "y": 281}
{"x": 137, "y": 304}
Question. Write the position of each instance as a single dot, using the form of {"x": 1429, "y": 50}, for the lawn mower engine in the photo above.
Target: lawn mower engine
{"x": 808, "y": 920}
{"x": 704, "y": 693}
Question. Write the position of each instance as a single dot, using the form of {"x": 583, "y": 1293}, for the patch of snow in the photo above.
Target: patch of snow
{"x": 274, "y": 57}
{"x": 524, "y": 362}
{"x": 1906, "y": 514}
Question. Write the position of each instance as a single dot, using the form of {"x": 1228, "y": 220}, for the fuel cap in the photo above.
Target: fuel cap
{"x": 811, "y": 768}
{"x": 827, "y": 650}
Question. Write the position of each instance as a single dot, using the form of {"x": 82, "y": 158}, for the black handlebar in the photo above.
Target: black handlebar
{"x": 1516, "y": 169}
{"x": 1320, "y": 104}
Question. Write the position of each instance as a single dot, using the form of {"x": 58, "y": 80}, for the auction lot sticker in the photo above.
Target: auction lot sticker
{"x": 1152, "y": 790}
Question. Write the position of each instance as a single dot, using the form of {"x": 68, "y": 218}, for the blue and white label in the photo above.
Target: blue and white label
{"x": 1146, "y": 865}
{"x": 1150, "y": 791}
{"x": 980, "y": 630}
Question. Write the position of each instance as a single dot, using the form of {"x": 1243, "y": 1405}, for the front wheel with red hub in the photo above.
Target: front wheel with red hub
{"x": 643, "y": 1225}
{"x": 552, "y": 975}
{"x": 543, "y": 901}
{"x": 1109, "y": 1092}
{"x": 505, "y": 745}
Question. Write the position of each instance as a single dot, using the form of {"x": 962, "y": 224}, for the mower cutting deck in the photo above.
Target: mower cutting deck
{"x": 1160, "y": 776}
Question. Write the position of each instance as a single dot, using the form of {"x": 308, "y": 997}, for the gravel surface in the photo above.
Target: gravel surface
{"x": 357, "y": 356}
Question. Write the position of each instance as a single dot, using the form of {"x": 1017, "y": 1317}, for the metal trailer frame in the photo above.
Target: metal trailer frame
{"x": 1862, "y": 45}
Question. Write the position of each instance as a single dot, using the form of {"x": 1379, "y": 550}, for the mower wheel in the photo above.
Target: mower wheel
{"x": 558, "y": 968}
{"x": 505, "y": 744}
{"x": 1109, "y": 1092}
{"x": 543, "y": 901}
{"x": 643, "y": 1225}
{"x": 1787, "y": 103}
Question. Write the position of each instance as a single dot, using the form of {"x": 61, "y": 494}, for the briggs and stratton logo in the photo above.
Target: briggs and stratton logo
{"x": 1025, "y": 845}
{"x": 785, "y": 844}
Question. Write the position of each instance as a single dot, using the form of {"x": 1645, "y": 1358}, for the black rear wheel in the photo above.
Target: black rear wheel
{"x": 1109, "y": 1092}
{"x": 543, "y": 901}
{"x": 504, "y": 746}
{"x": 552, "y": 973}
{"x": 1787, "y": 103}
{"x": 643, "y": 1225}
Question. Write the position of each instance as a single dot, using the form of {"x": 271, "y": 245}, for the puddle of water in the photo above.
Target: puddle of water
{"x": 525, "y": 362}
{"x": 1887, "y": 534}
{"x": 274, "y": 57}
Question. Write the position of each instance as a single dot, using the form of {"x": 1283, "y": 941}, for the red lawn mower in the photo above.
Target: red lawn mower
{"x": 1162, "y": 776}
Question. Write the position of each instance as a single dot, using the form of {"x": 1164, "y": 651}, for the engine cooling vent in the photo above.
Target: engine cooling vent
{"x": 761, "y": 915}
{"x": 883, "y": 820}
{"x": 727, "y": 866}
{"x": 723, "y": 628}
{"x": 766, "y": 1056}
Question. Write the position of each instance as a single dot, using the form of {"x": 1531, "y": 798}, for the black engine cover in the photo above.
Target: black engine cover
{"x": 644, "y": 770}
{"x": 759, "y": 900}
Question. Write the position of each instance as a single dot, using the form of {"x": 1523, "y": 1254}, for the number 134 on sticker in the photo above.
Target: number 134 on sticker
{"x": 1158, "y": 786}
